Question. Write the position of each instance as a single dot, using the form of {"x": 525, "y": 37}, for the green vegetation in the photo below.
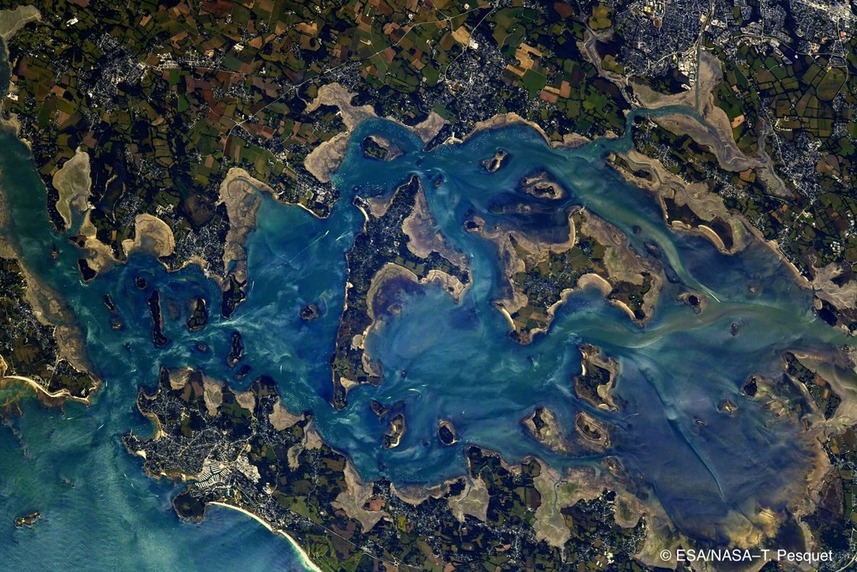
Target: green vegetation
{"x": 301, "y": 488}
{"x": 28, "y": 347}
{"x": 594, "y": 384}
{"x": 825, "y": 399}
{"x": 835, "y": 519}
{"x": 546, "y": 61}
{"x": 551, "y": 270}
{"x": 382, "y": 241}
{"x": 601, "y": 17}
{"x": 805, "y": 97}
{"x": 165, "y": 98}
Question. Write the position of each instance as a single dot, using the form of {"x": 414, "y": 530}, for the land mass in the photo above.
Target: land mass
{"x": 41, "y": 346}
{"x": 541, "y": 273}
{"x": 34, "y": 351}
{"x": 597, "y": 378}
{"x": 250, "y": 454}
{"x": 396, "y": 249}
{"x": 140, "y": 89}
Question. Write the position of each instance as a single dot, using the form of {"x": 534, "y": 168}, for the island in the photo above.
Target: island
{"x": 543, "y": 185}
{"x": 397, "y": 248}
{"x": 395, "y": 431}
{"x": 139, "y": 118}
{"x": 596, "y": 380}
{"x": 496, "y": 162}
{"x": 27, "y": 520}
{"x": 544, "y": 427}
{"x": 541, "y": 273}
{"x": 251, "y": 454}
{"x": 446, "y": 432}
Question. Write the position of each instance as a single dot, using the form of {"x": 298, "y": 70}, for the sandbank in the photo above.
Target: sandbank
{"x": 74, "y": 186}
{"x": 63, "y": 394}
{"x": 152, "y": 236}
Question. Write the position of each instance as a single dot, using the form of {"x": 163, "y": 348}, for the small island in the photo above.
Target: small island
{"x": 27, "y": 520}
{"x": 594, "y": 384}
{"x": 379, "y": 148}
{"x": 695, "y": 300}
{"x": 395, "y": 431}
{"x": 378, "y": 408}
{"x": 543, "y": 185}
{"x": 310, "y": 313}
{"x": 543, "y": 426}
{"x": 198, "y": 318}
{"x": 446, "y": 432}
{"x": 244, "y": 450}
{"x": 495, "y": 163}
{"x": 594, "y": 433}
{"x": 159, "y": 339}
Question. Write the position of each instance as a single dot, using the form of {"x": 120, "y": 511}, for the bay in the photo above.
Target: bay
{"x": 442, "y": 359}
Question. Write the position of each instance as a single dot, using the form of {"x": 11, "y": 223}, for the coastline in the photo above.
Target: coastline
{"x": 304, "y": 557}
{"x": 152, "y": 236}
{"x": 602, "y": 285}
{"x": 20, "y": 17}
{"x": 703, "y": 231}
{"x": 749, "y": 232}
{"x": 13, "y": 124}
{"x": 589, "y": 280}
{"x": 159, "y": 431}
{"x": 331, "y": 154}
{"x": 391, "y": 271}
{"x": 240, "y": 193}
{"x": 800, "y": 279}
{"x": 50, "y": 309}
{"x": 63, "y": 394}
{"x": 323, "y": 161}
{"x": 622, "y": 264}
{"x": 8, "y": 29}
{"x": 73, "y": 183}
{"x": 501, "y": 120}
{"x": 665, "y": 185}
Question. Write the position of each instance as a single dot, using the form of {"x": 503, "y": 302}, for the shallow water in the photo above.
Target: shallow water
{"x": 442, "y": 359}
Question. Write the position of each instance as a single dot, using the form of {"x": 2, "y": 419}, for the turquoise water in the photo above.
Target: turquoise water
{"x": 442, "y": 359}
{"x": 99, "y": 511}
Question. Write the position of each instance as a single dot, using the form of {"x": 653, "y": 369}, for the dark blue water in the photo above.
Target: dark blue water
{"x": 458, "y": 360}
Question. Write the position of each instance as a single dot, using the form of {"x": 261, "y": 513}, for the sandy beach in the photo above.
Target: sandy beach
{"x": 305, "y": 559}
{"x": 569, "y": 140}
{"x": 63, "y": 394}
{"x": 706, "y": 205}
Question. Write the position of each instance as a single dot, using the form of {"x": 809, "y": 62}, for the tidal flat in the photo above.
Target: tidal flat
{"x": 440, "y": 358}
